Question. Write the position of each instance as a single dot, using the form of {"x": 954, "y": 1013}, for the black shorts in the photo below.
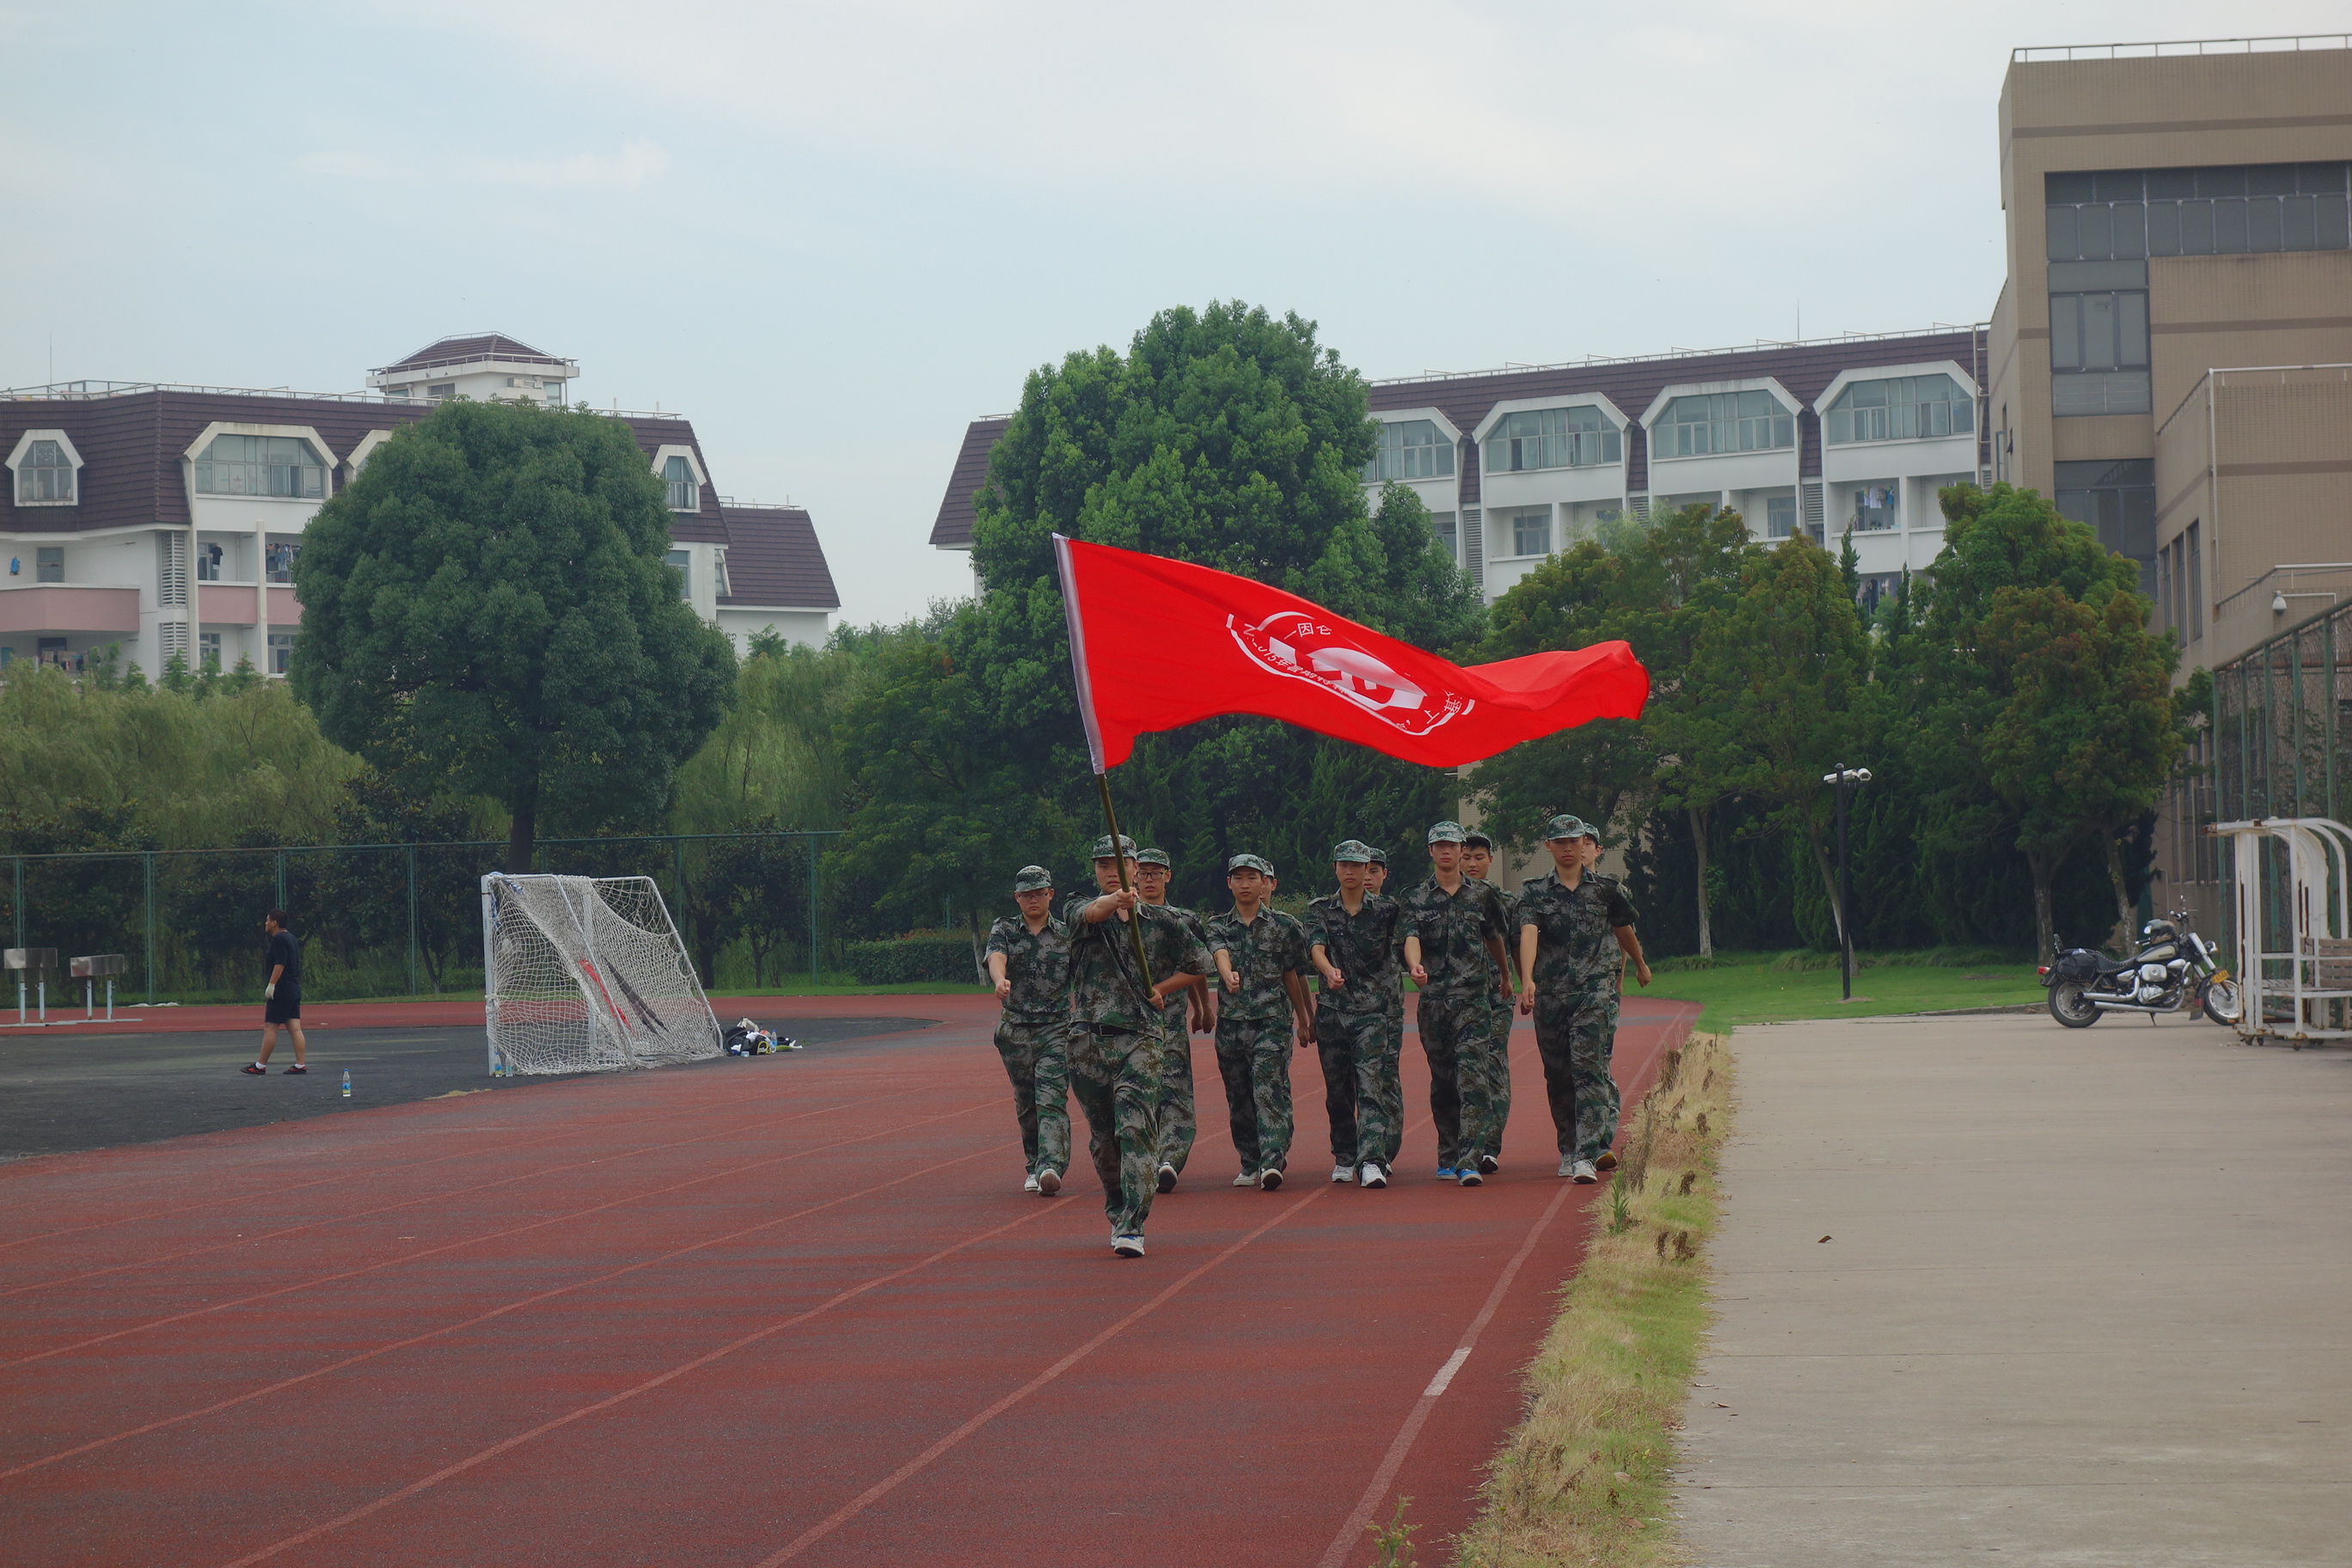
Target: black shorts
{"x": 282, "y": 1008}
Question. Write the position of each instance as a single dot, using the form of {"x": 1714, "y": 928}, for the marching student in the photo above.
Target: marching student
{"x": 1452, "y": 948}
{"x": 1376, "y": 881}
{"x": 1572, "y": 928}
{"x": 1491, "y": 1064}
{"x": 1114, "y": 1033}
{"x": 1629, "y": 950}
{"x": 1182, "y": 1016}
{"x": 1029, "y": 964}
{"x": 1261, "y": 957}
{"x": 1351, "y": 939}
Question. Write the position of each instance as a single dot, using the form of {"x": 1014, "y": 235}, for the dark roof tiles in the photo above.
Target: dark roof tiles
{"x": 952, "y": 527}
{"x": 469, "y": 349}
{"x": 775, "y": 561}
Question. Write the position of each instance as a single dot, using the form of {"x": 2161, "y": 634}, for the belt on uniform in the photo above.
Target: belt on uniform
{"x": 1105, "y": 1029}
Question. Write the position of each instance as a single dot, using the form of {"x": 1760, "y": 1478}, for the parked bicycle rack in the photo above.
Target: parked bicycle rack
{"x": 2301, "y": 990}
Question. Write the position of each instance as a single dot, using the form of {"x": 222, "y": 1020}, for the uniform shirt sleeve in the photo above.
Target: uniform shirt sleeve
{"x": 1297, "y": 957}
{"x": 1621, "y": 911}
{"x": 997, "y": 938}
{"x": 1318, "y": 926}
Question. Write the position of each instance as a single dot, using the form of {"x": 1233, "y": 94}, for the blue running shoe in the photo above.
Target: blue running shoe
{"x": 1448, "y": 1174}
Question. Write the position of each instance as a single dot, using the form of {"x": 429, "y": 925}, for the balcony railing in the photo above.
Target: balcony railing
{"x": 2284, "y": 43}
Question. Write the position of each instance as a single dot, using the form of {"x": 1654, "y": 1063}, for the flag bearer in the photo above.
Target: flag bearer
{"x": 1493, "y": 1063}
{"x": 1114, "y": 1033}
{"x": 1029, "y": 964}
{"x": 1351, "y": 939}
{"x": 1572, "y": 927}
{"x": 1181, "y": 1017}
{"x": 1453, "y": 946}
{"x": 1261, "y": 958}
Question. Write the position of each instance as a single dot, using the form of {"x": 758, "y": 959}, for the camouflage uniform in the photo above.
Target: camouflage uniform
{"x": 1178, "y": 1121}
{"x": 1254, "y": 1032}
{"x": 1115, "y": 1048}
{"x": 1034, "y": 1038}
{"x": 1576, "y": 1004}
{"x": 1455, "y": 1014}
{"x": 1360, "y": 1090}
{"x": 1486, "y": 1072}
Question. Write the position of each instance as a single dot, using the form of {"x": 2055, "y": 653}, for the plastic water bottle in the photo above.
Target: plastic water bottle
{"x": 347, "y": 1083}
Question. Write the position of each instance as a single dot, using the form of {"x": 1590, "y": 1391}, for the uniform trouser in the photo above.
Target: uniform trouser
{"x": 1253, "y": 1058}
{"x": 1179, "y": 1123}
{"x": 1037, "y": 1058}
{"x": 1116, "y": 1081}
{"x": 1452, "y": 1028}
{"x": 1573, "y": 1034}
{"x": 1360, "y": 1091}
{"x": 1486, "y": 1075}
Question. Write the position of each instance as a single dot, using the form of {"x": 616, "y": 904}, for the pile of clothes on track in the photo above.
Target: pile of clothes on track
{"x": 745, "y": 1038}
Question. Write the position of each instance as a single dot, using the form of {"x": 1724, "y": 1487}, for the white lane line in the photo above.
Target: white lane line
{"x": 1445, "y": 1374}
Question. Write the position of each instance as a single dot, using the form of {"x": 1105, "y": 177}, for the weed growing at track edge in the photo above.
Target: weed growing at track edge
{"x": 1586, "y": 1478}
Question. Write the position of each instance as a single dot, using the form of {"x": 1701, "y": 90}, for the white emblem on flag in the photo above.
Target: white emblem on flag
{"x": 1297, "y": 645}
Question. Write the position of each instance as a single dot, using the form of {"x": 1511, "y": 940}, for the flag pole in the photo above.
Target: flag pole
{"x": 1078, "y": 673}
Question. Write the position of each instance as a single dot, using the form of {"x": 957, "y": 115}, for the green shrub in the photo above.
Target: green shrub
{"x": 929, "y": 955}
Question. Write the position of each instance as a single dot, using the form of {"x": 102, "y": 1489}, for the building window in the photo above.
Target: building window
{"x": 678, "y": 474}
{"x": 208, "y": 651}
{"x": 1442, "y": 524}
{"x": 1900, "y": 409}
{"x": 1717, "y": 422}
{"x": 1531, "y": 530}
{"x": 1553, "y": 439}
{"x": 281, "y": 651}
{"x": 1875, "y": 506}
{"x": 2118, "y": 501}
{"x": 683, "y": 561}
{"x": 1780, "y": 516}
{"x": 49, "y": 563}
{"x": 261, "y": 466}
{"x": 2098, "y": 338}
{"x": 2196, "y": 586}
{"x": 440, "y": 391}
{"x": 1410, "y": 449}
{"x": 45, "y": 474}
{"x": 554, "y": 394}
{"x": 278, "y": 561}
{"x": 209, "y": 559}
{"x": 2232, "y": 210}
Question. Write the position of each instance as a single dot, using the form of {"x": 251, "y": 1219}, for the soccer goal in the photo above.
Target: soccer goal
{"x": 587, "y": 974}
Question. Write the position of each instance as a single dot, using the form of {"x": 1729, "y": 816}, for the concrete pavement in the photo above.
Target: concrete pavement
{"x": 2085, "y": 1300}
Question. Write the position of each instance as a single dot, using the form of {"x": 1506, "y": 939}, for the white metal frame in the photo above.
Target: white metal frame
{"x": 597, "y": 1011}
{"x": 2317, "y": 987}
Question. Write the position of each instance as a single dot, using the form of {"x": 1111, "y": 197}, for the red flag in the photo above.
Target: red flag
{"x": 1158, "y": 644}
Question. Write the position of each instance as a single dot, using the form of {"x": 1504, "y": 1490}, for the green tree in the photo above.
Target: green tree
{"x": 489, "y": 601}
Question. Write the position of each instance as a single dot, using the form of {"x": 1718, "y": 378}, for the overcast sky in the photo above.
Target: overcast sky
{"x": 833, "y": 235}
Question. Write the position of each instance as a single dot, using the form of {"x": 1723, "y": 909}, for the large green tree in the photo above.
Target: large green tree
{"x": 1226, "y": 436}
{"x": 488, "y": 602}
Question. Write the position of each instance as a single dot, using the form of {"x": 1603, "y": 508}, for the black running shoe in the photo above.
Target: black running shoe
{"x": 256, "y": 1069}
{"x": 297, "y": 1070}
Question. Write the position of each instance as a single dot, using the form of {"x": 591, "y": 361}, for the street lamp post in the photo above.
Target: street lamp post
{"x": 1843, "y": 777}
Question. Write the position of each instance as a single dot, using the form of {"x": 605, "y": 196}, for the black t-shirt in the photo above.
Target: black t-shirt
{"x": 283, "y": 950}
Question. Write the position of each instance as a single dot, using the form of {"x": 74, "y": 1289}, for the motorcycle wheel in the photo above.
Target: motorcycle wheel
{"x": 2069, "y": 1008}
{"x": 2222, "y": 1003}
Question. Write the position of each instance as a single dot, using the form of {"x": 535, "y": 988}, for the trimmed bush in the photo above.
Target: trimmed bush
{"x": 922, "y": 955}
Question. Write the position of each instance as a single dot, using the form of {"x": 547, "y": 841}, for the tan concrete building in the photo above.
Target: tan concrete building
{"x": 2171, "y": 359}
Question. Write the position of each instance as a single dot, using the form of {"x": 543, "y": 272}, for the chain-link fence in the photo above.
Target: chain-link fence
{"x": 385, "y": 920}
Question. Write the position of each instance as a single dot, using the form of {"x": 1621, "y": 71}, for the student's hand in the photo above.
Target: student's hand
{"x": 1526, "y": 1000}
{"x": 1233, "y": 982}
{"x": 1306, "y": 1033}
{"x": 1420, "y": 976}
{"x": 1641, "y": 973}
{"x": 269, "y": 992}
{"x": 1003, "y": 989}
{"x": 1335, "y": 980}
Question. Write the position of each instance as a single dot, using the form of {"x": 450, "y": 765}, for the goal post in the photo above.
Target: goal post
{"x": 587, "y": 974}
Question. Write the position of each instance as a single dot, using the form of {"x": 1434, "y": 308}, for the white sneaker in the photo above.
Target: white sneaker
{"x": 1270, "y": 1179}
{"x": 1127, "y": 1245}
{"x": 1049, "y": 1181}
{"x": 1343, "y": 1173}
{"x": 1567, "y": 1165}
{"x": 1030, "y": 1185}
{"x": 1247, "y": 1179}
{"x": 1584, "y": 1173}
{"x": 1372, "y": 1175}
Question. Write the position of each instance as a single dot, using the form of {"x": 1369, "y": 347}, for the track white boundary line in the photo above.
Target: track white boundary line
{"x": 1445, "y": 1374}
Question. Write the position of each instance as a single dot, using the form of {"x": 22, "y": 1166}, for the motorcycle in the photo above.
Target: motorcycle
{"x": 2174, "y": 969}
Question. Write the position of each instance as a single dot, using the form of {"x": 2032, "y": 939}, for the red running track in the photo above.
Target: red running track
{"x": 798, "y": 1313}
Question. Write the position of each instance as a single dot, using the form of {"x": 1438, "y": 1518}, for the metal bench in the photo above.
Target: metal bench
{"x": 93, "y": 967}
{"x": 41, "y": 960}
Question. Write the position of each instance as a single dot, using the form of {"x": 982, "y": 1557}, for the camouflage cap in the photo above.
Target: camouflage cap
{"x": 1103, "y": 851}
{"x": 1354, "y": 851}
{"x": 1379, "y": 856}
{"x": 1473, "y": 839}
{"x": 1029, "y": 879}
{"x": 1152, "y": 858}
{"x": 1566, "y": 826}
{"x": 1446, "y": 833}
{"x": 1248, "y": 863}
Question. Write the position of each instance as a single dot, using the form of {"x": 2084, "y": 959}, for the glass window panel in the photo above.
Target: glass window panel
{"x": 2221, "y": 181}
{"x": 2099, "y": 330}
{"x": 2314, "y": 178}
{"x": 2196, "y": 228}
{"x": 2131, "y": 330}
{"x": 2062, "y": 246}
{"x": 2094, "y": 232}
{"x": 2115, "y": 185}
{"x": 2131, "y": 228}
{"x": 2265, "y": 220}
{"x": 2270, "y": 180}
{"x": 2229, "y": 227}
{"x": 2171, "y": 184}
{"x": 2299, "y": 220}
{"x": 2163, "y": 228}
{"x": 2069, "y": 187}
{"x": 2332, "y": 213}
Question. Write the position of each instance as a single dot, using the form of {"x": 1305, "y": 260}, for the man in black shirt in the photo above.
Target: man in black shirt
{"x": 282, "y": 994}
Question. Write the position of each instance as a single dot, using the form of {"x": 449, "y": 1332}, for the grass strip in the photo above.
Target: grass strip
{"x": 1586, "y": 1478}
{"x": 1767, "y": 988}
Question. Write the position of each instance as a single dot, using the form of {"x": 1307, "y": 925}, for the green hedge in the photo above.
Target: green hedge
{"x": 920, "y": 955}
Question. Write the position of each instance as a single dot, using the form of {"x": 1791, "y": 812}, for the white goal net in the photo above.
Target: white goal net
{"x": 587, "y": 974}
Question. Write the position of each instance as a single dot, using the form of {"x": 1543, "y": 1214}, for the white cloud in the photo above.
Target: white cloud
{"x": 636, "y": 165}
